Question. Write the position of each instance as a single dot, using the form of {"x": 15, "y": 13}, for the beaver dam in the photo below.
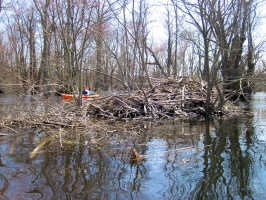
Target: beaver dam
{"x": 168, "y": 99}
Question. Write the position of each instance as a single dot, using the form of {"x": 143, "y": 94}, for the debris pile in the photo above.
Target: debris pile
{"x": 183, "y": 97}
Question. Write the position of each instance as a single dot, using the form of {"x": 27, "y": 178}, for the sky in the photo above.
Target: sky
{"x": 157, "y": 16}
{"x": 159, "y": 31}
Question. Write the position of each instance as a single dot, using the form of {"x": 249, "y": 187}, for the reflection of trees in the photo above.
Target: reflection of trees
{"x": 81, "y": 171}
{"x": 226, "y": 172}
{"x": 76, "y": 171}
{"x": 179, "y": 176}
{"x": 80, "y": 166}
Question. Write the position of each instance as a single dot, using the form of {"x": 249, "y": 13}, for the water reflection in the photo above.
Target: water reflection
{"x": 226, "y": 167}
{"x": 183, "y": 159}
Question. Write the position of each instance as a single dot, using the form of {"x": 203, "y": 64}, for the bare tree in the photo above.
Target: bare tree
{"x": 134, "y": 21}
{"x": 223, "y": 27}
{"x": 199, "y": 14}
{"x": 75, "y": 25}
{"x": 108, "y": 41}
{"x": 101, "y": 35}
{"x": 139, "y": 35}
{"x": 42, "y": 8}
{"x": 21, "y": 29}
{"x": 231, "y": 30}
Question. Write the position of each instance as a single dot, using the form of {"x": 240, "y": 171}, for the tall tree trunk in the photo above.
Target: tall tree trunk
{"x": 232, "y": 68}
{"x": 99, "y": 47}
{"x": 33, "y": 61}
{"x": 43, "y": 75}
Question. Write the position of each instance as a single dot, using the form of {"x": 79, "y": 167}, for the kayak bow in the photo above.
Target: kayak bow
{"x": 70, "y": 96}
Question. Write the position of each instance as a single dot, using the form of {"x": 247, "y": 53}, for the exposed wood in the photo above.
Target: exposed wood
{"x": 134, "y": 156}
{"x": 167, "y": 99}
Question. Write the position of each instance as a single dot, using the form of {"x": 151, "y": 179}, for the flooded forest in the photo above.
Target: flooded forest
{"x": 138, "y": 99}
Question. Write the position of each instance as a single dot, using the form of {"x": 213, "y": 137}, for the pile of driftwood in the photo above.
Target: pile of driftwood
{"x": 183, "y": 97}
{"x": 169, "y": 98}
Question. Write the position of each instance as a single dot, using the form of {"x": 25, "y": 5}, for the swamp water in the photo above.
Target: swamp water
{"x": 182, "y": 159}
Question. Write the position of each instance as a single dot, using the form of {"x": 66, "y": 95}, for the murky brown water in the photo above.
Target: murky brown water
{"x": 183, "y": 159}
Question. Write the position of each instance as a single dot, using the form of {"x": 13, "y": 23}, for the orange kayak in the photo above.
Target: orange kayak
{"x": 70, "y": 96}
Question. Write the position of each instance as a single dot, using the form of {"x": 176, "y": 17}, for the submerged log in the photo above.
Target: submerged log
{"x": 134, "y": 156}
